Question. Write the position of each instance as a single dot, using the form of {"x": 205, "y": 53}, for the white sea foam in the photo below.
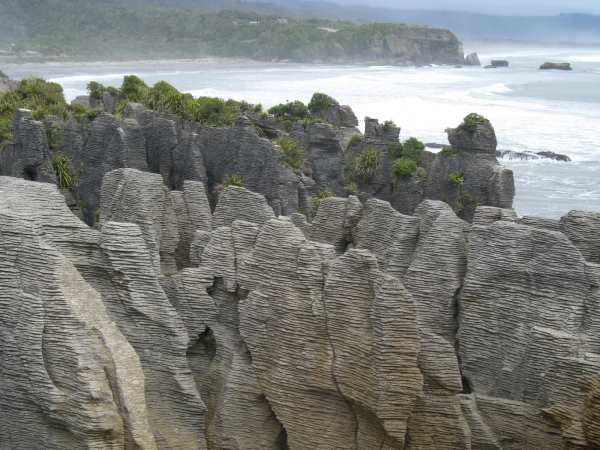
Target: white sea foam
{"x": 496, "y": 88}
{"x": 520, "y": 102}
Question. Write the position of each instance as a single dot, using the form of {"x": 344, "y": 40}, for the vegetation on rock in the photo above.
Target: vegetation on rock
{"x": 316, "y": 201}
{"x": 366, "y": 164}
{"x": 62, "y": 169}
{"x": 165, "y": 98}
{"x": 234, "y": 180}
{"x": 41, "y": 97}
{"x": 404, "y": 167}
{"x": 320, "y": 101}
{"x": 355, "y": 140}
{"x": 420, "y": 175}
{"x": 413, "y": 149}
{"x": 473, "y": 119}
{"x": 293, "y": 152}
{"x": 456, "y": 178}
{"x": 351, "y": 188}
{"x": 447, "y": 152}
{"x": 291, "y": 110}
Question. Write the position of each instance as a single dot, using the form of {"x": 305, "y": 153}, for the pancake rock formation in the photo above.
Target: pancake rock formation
{"x": 171, "y": 325}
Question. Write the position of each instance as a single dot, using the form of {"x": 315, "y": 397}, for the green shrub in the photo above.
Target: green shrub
{"x": 355, "y": 140}
{"x": 6, "y": 134}
{"x": 234, "y": 180}
{"x": 404, "y": 167}
{"x": 293, "y": 110}
{"x": 95, "y": 90}
{"x": 366, "y": 164}
{"x": 54, "y": 139}
{"x": 420, "y": 175}
{"x": 316, "y": 201}
{"x": 293, "y": 152}
{"x": 351, "y": 189}
{"x": 3, "y": 76}
{"x": 472, "y": 120}
{"x": 456, "y": 178}
{"x": 388, "y": 125}
{"x": 447, "y": 152}
{"x": 82, "y": 112}
{"x": 62, "y": 169}
{"x": 134, "y": 89}
{"x": 395, "y": 150}
{"x": 319, "y": 102}
{"x": 413, "y": 149}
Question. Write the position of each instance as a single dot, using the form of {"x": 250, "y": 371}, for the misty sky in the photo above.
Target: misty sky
{"x": 508, "y": 7}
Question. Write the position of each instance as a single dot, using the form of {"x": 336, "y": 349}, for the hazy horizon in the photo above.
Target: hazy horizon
{"x": 505, "y": 7}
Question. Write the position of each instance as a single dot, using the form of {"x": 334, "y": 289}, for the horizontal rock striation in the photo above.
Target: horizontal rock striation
{"x": 247, "y": 152}
{"x": 171, "y": 326}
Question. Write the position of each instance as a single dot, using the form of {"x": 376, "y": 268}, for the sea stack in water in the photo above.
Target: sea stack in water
{"x": 556, "y": 66}
{"x": 472, "y": 59}
{"x": 497, "y": 63}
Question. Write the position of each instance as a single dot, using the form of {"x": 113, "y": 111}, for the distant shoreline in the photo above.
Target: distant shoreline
{"x": 208, "y": 60}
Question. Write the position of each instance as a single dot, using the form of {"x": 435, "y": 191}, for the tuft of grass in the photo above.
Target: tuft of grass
{"x": 404, "y": 167}
{"x": 355, "y": 140}
{"x": 62, "y": 169}
{"x": 351, "y": 188}
{"x": 234, "y": 180}
{"x": 316, "y": 201}
{"x": 420, "y": 175}
{"x": 366, "y": 164}
{"x": 456, "y": 178}
{"x": 294, "y": 154}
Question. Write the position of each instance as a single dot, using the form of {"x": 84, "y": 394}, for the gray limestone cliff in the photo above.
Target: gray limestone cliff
{"x": 174, "y": 326}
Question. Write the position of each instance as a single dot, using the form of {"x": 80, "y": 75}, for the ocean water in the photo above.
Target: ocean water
{"x": 530, "y": 109}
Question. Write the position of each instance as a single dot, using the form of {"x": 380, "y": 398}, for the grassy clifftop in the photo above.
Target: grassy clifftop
{"x": 89, "y": 29}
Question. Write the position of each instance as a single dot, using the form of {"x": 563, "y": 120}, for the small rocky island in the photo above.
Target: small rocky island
{"x": 279, "y": 280}
{"x": 556, "y": 66}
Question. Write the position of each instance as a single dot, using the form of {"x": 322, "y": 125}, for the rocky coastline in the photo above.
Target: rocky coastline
{"x": 285, "y": 282}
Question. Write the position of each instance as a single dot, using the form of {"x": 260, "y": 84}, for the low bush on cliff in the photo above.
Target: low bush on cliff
{"x": 456, "y": 178}
{"x": 293, "y": 152}
{"x": 165, "y": 98}
{"x": 290, "y": 110}
{"x": 39, "y": 96}
{"x": 412, "y": 148}
{"x": 316, "y": 201}
{"x": 366, "y": 164}
{"x": 404, "y": 167}
{"x": 472, "y": 120}
{"x": 320, "y": 101}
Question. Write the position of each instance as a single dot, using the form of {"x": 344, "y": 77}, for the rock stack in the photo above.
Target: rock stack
{"x": 174, "y": 327}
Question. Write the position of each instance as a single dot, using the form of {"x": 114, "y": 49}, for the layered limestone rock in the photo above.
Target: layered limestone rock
{"x": 171, "y": 327}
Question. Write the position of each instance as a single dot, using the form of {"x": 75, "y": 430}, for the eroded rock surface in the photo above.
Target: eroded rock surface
{"x": 174, "y": 327}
